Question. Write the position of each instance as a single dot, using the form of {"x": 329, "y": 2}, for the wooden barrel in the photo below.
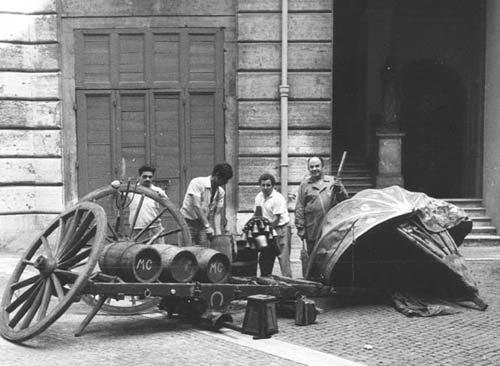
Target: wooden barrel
{"x": 223, "y": 244}
{"x": 131, "y": 262}
{"x": 245, "y": 261}
{"x": 178, "y": 264}
{"x": 213, "y": 266}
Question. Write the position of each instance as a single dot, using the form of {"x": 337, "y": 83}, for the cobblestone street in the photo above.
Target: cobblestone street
{"x": 343, "y": 334}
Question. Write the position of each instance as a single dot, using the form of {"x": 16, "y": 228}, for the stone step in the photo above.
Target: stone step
{"x": 480, "y": 221}
{"x": 488, "y": 230}
{"x": 475, "y": 211}
{"x": 481, "y": 240}
{"x": 465, "y": 202}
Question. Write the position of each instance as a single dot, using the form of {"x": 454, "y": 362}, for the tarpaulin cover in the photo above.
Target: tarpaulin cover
{"x": 394, "y": 239}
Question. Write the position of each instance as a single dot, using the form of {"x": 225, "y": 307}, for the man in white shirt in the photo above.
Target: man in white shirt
{"x": 274, "y": 208}
{"x": 148, "y": 210}
{"x": 203, "y": 204}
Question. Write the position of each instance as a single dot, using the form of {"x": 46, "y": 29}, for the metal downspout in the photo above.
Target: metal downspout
{"x": 284, "y": 88}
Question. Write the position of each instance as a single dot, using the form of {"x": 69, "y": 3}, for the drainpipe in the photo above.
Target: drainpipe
{"x": 284, "y": 88}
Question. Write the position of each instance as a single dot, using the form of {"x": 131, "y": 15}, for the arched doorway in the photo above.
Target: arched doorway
{"x": 432, "y": 116}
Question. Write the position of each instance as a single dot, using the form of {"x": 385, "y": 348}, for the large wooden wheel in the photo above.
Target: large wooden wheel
{"x": 116, "y": 199}
{"x": 52, "y": 272}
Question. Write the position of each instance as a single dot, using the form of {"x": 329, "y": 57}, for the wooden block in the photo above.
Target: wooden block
{"x": 303, "y": 85}
{"x": 29, "y": 114}
{"x": 301, "y": 56}
{"x": 147, "y": 7}
{"x": 28, "y": 28}
{"x": 267, "y": 142}
{"x": 30, "y": 143}
{"x": 28, "y": 6}
{"x": 28, "y": 85}
{"x": 301, "y": 26}
{"x": 25, "y": 199}
{"x": 21, "y": 170}
{"x": 275, "y": 5}
{"x": 264, "y": 114}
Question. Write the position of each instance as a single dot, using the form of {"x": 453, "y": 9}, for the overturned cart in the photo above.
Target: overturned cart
{"x": 90, "y": 253}
{"x": 396, "y": 243}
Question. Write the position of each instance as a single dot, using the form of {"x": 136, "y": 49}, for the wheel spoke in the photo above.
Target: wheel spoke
{"x": 66, "y": 276}
{"x": 114, "y": 235}
{"x": 57, "y": 286}
{"x": 160, "y": 235}
{"x": 46, "y": 246}
{"x": 22, "y": 298}
{"x": 70, "y": 262}
{"x": 78, "y": 245}
{"x": 136, "y": 215}
{"x": 26, "y": 282}
{"x": 73, "y": 221}
{"x": 34, "y": 307}
{"x": 151, "y": 223}
{"x": 47, "y": 295}
{"x": 26, "y": 306}
{"x": 69, "y": 246}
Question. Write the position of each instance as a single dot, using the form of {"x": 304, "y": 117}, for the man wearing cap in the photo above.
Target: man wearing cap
{"x": 317, "y": 194}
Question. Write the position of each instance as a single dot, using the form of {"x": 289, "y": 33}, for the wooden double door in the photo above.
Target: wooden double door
{"x": 148, "y": 96}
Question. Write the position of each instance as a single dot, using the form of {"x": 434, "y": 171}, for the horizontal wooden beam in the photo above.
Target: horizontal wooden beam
{"x": 301, "y": 56}
{"x": 301, "y": 26}
{"x": 263, "y": 114}
{"x": 22, "y": 170}
{"x": 22, "y": 85}
{"x": 30, "y": 114}
{"x": 293, "y": 5}
{"x": 303, "y": 85}
{"x": 29, "y": 57}
{"x": 26, "y": 199}
{"x": 30, "y": 143}
{"x": 28, "y": 28}
{"x": 267, "y": 142}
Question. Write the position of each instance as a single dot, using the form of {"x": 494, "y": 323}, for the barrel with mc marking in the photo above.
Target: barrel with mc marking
{"x": 213, "y": 266}
{"x": 131, "y": 262}
{"x": 178, "y": 264}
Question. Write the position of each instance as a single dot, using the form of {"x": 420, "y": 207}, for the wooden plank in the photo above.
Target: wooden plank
{"x": 147, "y": 7}
{"x": 293, "y": 5}
{"x": 29, "y": 57}
{"x": 21, "y": 170}
{"x": 259, "y": 142}
{"x": 28, "y": 6}
{"x": 301, "y": 26}
{"x": 31, "y": 199}
{"x": 28, "y": 85}
{"x": 300, "y": 114}
{"x": 36, "y": 143}
{"x": 246, "y": 196}
{"x": 301, "y": 56}
{"x": 265, "y": 85}
{"x": 28, "y": 28}
{"x": 29, "y": 114}
{"x": 19, "y": 231}
{"x": 250, "y": 168}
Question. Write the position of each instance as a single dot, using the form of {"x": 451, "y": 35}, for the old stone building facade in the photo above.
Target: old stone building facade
{"x": 90, "y": 90}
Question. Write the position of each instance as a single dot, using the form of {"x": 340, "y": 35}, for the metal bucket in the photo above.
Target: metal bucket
{"x": 223, "y": 244}
{"x": 131, "y": 262}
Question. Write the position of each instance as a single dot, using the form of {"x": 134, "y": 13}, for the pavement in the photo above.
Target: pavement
{"x": 359, "y": 334}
